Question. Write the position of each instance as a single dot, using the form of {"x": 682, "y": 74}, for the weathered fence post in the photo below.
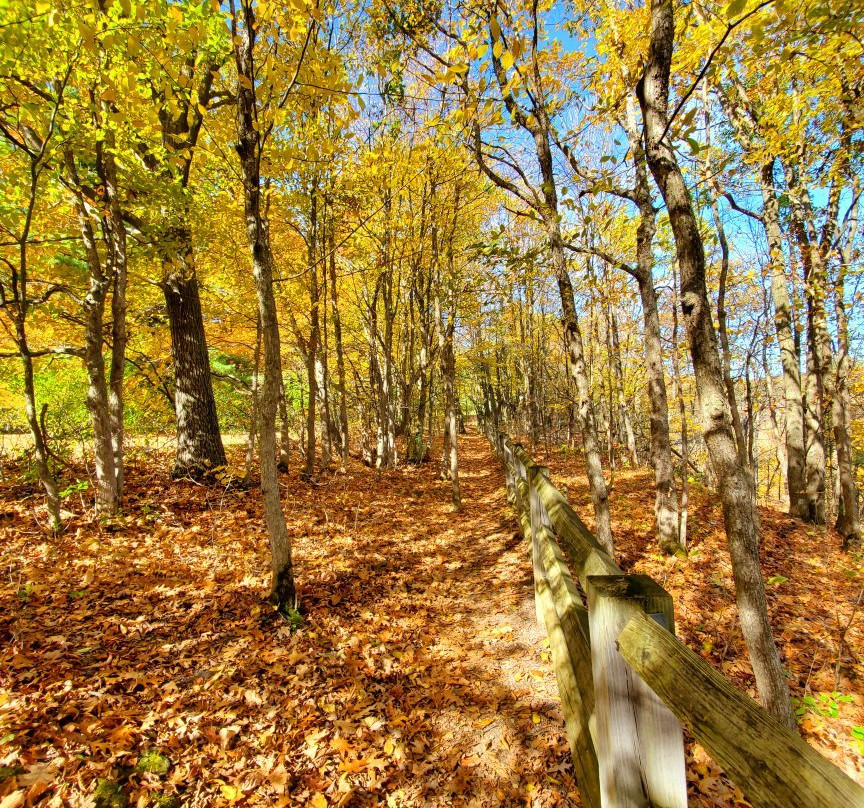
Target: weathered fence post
{"x": 539, "y": 520}
{"x": 640, "y": 747}
{"x": 771, "y": 764}
{"x": 509, "y": 471}
{"x": 521, "y": 480}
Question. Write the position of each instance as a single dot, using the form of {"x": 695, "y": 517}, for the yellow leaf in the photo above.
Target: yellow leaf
{"x": 507, "y": 60}
{"x": 231, "y": 793}
{"x": 535, "y": 718}
{"x": 318, "y": 801}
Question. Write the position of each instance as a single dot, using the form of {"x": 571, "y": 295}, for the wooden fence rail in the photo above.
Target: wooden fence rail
{"x": 627, "y": 684}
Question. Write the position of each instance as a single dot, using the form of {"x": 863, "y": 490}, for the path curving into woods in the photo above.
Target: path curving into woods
{"x": 420, "y": 677}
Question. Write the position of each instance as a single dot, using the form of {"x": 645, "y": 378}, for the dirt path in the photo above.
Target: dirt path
{"x": 420, "y": 677}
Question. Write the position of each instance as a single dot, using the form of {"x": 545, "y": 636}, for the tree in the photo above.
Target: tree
{"x": 734, "y": 482}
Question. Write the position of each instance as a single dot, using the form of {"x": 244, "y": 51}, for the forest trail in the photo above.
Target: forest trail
{"x": 419, "y": 678}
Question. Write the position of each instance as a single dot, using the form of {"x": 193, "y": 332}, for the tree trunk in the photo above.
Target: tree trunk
{"x": 284, "y": 431}
{"x": 341, "y": 386}
{"x": 734, "y": 481}
{"x": 43, "y": 468}
{"x": 199, "y": 441}
{"x": 584, "y": 404}
{"x": 726, "y": 354}
{"x": 848, "y": 518}
{"x": 115, "y": 237}
{"x": 452, "y": 426}
{"x": 682, "y": 411}
{"x": 623, "y": 407}
{"x": 789, "y": 355}
{"x": 107, "y": 500}
{"x": 253, "y": 409}
{"x": 282, "y": 590}
{"x": 314, "y": 335}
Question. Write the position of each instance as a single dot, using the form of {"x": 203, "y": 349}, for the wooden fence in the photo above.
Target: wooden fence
{"x": 627, "y": 685}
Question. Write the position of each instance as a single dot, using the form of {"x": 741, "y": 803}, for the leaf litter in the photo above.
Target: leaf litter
{"x": 143, "y": 666}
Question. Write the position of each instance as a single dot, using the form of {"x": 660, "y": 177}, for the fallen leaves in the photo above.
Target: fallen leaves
{"x": 413, "y": 683}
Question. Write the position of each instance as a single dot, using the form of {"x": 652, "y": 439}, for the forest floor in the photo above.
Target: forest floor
{"x": 141, "y": 660}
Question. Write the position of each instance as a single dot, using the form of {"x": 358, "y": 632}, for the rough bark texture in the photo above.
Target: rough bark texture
{"x": 734, "y": 481}
{"x": 848, "y": 518}
{"x": 282, "y": 590}
{"x": 199, "y": 442}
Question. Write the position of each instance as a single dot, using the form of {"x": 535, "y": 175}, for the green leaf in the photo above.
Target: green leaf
{"x": 776, "y": 580}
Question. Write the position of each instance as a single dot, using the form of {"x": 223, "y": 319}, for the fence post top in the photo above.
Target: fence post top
{"x": 629, "y": 587}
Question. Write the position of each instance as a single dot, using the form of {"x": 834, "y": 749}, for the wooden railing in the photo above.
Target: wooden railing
{"x": 627, "y": 685}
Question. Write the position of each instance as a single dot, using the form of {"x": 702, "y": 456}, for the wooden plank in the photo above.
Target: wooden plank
{"x": 584, "y": 551}
{"x": 573, "y": 617}
{"x": 509, "y": 462}
{"x": 567, "y": 646}
{"x": 771, "y": 764}
{"x": 640, "y": 746}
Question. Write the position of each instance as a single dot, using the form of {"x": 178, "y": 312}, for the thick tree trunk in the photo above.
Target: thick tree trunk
{"x": 666, "y": 497}
{"x": 199, "y": 441}
{"x": 282, "y": 590}
{"x": 848, "y": 518}
{"x": 734, "y": 481}
{"x": 815, "y": 457}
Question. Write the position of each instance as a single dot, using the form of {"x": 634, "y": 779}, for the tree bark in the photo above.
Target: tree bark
{"x": 107, "y": 500}
{"x": 790, "y": 358}
{"x": 734, "y": 481}
{"x": 282, "y": 590}
{"x": 199, "y": 441}
{"x": 341, "y": 386}
{"x": 669, "y": 536}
